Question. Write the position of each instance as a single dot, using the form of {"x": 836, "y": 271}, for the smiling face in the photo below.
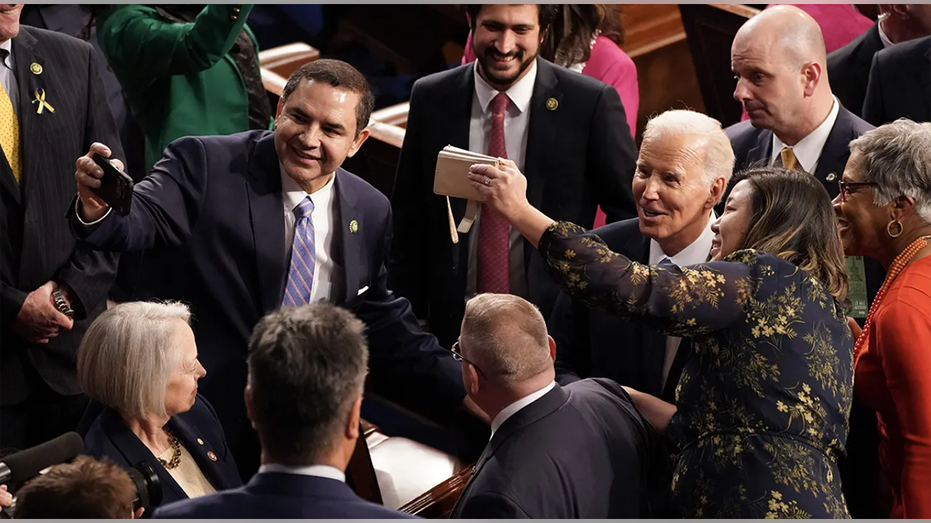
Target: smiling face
{"x": 182, "y": 385}
{"x": 9, "y": 21}
{"x": 674, "y": 197}
{"x": 731, "y": 228}
{"x": 861, "y": 225}
{"x": 315, "y": 131}
{"x": 506, "y": 40}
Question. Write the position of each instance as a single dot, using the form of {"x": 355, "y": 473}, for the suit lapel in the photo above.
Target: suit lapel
{"x": 134, "y": 451}
{"x": 763, "y": 150}
{"x": 200, "y": 449}
{"x": 541, "y": 132}
{"x": 267, "y": 215}
{"x": 835, "y": 151}
{"x": 458, "y": 121}
{"x": 8, "y": 182}
{"x": 351, "y": 242}
{"x": 30, "y": 129}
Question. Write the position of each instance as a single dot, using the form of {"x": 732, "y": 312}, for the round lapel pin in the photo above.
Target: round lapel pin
{"x": 212, "y": 456}
{"x": 200, "y": 441}
{"x": 552, "y": 104}
{"x": 830, "y": 177}
{"x": 353, "y": 227}
{"x": 36, "y": 68}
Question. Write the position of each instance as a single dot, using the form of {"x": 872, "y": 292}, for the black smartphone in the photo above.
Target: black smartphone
{"x": 116, "y": 187}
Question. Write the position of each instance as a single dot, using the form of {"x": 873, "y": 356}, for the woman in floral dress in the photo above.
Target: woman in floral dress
{"x": 763, "y": 401}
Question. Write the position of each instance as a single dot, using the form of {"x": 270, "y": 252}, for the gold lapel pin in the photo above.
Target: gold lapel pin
{"x": 552, "y": 104}
{"x": 200, "y": 441}
{"x": 36, "y": 68}
{"x": 353, "y": 227}
{"x": 830, "y": 177}
{"x": 212, "y": 456}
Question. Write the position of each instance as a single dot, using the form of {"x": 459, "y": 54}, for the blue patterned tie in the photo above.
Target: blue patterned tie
{"x": 303, "y": 255}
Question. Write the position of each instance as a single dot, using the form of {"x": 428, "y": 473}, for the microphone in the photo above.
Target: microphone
{"x": 27, "y": 464}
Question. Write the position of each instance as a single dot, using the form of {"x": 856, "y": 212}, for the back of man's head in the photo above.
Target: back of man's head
{"x": 83, "y": 489}
{"x": 505, "y": 337}
{"x": 307, "y": 368}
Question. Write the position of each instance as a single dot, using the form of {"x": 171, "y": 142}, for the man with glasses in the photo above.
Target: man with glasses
{"x": 579, "y": 451}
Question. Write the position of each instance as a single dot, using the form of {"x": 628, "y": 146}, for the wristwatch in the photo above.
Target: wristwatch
{"x": 61, "y": 304}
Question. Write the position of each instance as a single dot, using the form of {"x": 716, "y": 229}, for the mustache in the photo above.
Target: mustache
{"x": 491, "y": 52}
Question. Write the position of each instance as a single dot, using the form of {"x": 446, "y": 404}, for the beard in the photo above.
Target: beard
{"x": 501, "y": 78}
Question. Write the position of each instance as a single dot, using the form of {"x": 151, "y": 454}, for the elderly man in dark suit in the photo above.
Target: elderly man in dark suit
{"x": 566, "y": 131}
{"x": 849, "y": 66}
{"x": 315, "y": 356}
{"x": 246, "y": 223}
{"x": 52, "y": 108}
{"x": 900, "y": 84}
{"x": 579, "y": 451}
{"x": 684, "y": 167}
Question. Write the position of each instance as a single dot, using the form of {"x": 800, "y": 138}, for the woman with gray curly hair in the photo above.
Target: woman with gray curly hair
{"x": 139, "y": 360}
{"x": 884, "y": 212}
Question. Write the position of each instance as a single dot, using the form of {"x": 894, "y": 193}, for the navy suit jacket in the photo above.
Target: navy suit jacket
{"x": 211, "y": 211}
{"x": 579, "y": 155}
{"x": 580, "y": 451}
{"x": 276, "y": 495}
{"x": 849, "y": 69}
{"x": 900, "y": 83}
{"x": 592, "y": 343}
{"x": 198, "y": 430}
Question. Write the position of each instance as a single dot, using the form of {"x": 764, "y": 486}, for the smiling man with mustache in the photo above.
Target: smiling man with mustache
{"x": 568, "y": 132}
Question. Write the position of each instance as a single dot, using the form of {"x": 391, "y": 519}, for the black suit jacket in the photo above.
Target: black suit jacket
{"x": 35, "y": 243}
{"x": 211, "y": 211}
{"x": 900, "y": 83}
{"x": 276, "y": 495}
{"x": 578, "y": 156}
{"x": 198, "y": 430}
{"x": 593, "y": 343}
{"x": 580, "y": 451}
{"x": 849, "y": 69}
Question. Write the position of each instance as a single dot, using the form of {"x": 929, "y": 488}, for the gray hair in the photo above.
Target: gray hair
{"x": 506, "y": 337}
{"x": 897, "y": 157}
{"x": 715, "y": 145}
{"x": 307, "y": 366}
{"x": 128, "y": 354}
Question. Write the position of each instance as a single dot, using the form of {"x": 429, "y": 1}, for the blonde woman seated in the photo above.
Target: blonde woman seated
{"x": 140, "y": 361}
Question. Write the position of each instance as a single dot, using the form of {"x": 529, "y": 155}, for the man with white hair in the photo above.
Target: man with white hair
{"x": 779, "y": 61}
{"x": 580, "y": 451}
{"x": 684, "y": 166}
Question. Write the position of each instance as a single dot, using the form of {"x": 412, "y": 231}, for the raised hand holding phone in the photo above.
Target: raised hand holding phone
{"x": 101, "y": 184}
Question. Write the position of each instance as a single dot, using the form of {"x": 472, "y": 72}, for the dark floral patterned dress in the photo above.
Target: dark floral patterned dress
{"x": 764, "y": 398}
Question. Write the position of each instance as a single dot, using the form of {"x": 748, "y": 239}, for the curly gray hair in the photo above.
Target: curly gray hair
{"x": 897, "y": 157}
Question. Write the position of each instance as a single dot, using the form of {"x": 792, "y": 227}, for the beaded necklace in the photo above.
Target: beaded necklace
{"x": 176, "y": 452}
{"x": 897, "y": 266}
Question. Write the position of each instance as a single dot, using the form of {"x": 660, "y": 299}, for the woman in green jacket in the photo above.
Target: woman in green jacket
{"x": 186, "y": 70}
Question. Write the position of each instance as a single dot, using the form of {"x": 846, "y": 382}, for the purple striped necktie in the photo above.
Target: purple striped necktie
{"x": 303, "y": 256}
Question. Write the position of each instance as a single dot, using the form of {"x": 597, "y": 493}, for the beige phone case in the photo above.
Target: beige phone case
{"x": 452, "y": 177}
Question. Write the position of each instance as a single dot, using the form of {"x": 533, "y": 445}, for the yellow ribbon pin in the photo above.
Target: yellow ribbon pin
{"x": 40, "y": 97}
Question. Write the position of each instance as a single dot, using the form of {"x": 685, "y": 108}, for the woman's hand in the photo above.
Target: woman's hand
{"x": 504, "y": 189}
{"x": 855, "y": 329}
{"x": 6, "y": 499}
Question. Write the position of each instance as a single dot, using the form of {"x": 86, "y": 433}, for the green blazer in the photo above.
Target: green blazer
{"x": 178, "y": 77}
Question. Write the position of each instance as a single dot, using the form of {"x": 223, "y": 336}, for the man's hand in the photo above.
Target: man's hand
{"x": 38, "y": 319}
{"x": 474, "y": 409}
{"x": 88, "y": 175}
{"x": 6, "y": 499}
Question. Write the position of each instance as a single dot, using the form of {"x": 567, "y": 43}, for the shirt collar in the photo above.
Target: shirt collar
{"x": 519, "y": 93}
{"x": 513, "y": 408}
{"x": 808, "y": 149}
{"x": 883, "y": 37}
{"x": 292, "y": 195}
{"x": 697, "y": 251}
{"x": 320, "y": 471}
{"x": 8, "y": 55}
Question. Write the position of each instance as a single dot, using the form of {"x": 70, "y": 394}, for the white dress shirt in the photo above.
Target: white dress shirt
{"x": 884, "y": 38}
{"x": 697, "y": 252}
{"x": 513, "y": 408}
{"x": 320, "y": 471}
{"x": 328, "y": 274}
{"x": 516, "y": 124}
{"x": 7, "y": 76}
{"x": 808, "y": 149}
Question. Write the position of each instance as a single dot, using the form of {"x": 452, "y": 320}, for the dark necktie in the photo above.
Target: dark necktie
{"x": 493, "y": 230}
{"x": 303, "y": 256}
{"x": 654, "y": 352}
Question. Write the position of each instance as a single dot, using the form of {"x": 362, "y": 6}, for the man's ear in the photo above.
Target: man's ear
{"x": 138, "y": 513}
{"x": 717, "y": 192}
{"x": 357, "y": 142}
{"x": 355, "y": 416}
{"x": 552, "y": 347}
{"x": 813, "y": 74}
{"x": 278, "y": 110}
{"x": 247, "y": 395}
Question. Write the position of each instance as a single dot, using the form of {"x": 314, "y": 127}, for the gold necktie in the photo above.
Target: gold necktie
{"x": 789, "y": 161}
{"x": 9, "y": 133}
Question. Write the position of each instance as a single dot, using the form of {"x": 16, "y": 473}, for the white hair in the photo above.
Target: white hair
{"x": 715, "y": 145}
{"x": 897, "y": 157}
{"x": 128, "y": 354}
